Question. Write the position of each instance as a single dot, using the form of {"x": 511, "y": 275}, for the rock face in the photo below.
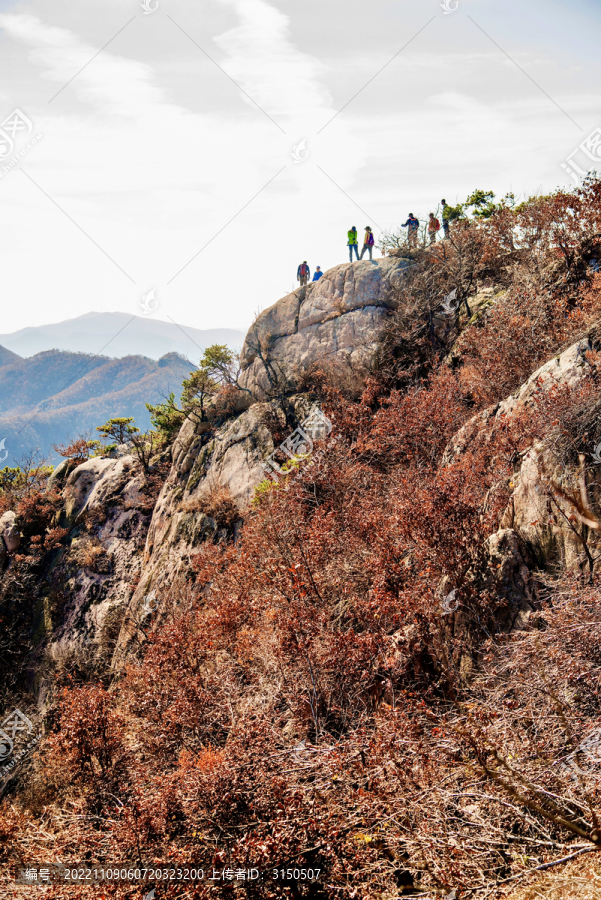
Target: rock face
{"x": 512, "y": 564}
{"x": 229, "y": 459}
{"x": 335, "y": 319}
{"x": 130, "y": 555}
{"x": 538, "y": 515}
{"x": 121, "y": 558}
{"x": 108, "y": 521}
{"x": 569, "y": 369}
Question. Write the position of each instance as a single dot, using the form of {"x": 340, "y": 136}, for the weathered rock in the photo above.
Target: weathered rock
{"x": 94, "y": 481}
{"x": 61, "y": 473}
{"x": 511, "y": 562}
{"x": 337, "y": 319}
{"x": 121, "y": 450}
{"x": 9, "y": 532}
{"x": 106, "y": 509}
{"x": 231, "y": 458}
{"x": 541, "y": 519}
{"x": 570, "y": 369}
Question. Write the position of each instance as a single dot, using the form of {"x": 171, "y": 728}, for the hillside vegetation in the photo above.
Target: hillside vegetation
{"x": 370, "y": 672}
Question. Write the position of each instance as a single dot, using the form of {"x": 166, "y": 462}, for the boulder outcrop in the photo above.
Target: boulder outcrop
{"x": 119, "y": 552}
{"x": 9, "y": 532}
{"x": 334, "y": 320}
{"x": 99, "y": 568}
{"x": 230, "y": 459}
{"x": 537, "y": 512}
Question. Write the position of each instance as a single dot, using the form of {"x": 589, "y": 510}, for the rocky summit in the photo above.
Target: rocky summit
{"x": 336, "y": 321}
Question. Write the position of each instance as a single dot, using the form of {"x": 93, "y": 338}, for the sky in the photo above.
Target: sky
{"x": 155, "y": 141}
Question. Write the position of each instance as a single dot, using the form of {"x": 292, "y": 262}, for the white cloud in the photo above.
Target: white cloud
{"x": 152, "y": 150}
{"x": 264, "y": 60}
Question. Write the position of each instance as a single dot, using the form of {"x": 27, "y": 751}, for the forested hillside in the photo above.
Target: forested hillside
{"x": 53, "y": 396}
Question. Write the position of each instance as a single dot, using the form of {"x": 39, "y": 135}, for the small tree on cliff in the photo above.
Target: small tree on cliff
{"x": 120, "y": 429}
{"x": 218, "y": 370}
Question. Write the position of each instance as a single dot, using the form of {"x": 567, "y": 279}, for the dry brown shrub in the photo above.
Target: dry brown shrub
{"x": 217, "y": 503}
{"x": 90, "y": 554}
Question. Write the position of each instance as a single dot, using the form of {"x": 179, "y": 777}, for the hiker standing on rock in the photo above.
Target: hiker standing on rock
{"x": 352, "y": 243}
{"x": 445, "y": 217}
{"x": 303, "y": 273}
{"x": 413, "y": 224}
{"x": 318, "y": 274}
{"x": 368, "y": 242}
{"x": 433, "y": 228}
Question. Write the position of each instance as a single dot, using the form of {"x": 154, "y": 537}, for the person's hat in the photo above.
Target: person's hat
{"x": 367, "y": 228}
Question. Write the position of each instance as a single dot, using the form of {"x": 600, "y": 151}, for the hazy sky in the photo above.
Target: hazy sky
{"x": 161, "y": 168}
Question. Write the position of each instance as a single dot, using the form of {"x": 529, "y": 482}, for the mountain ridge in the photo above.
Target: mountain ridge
{"x": 116, "y": 334}
{"x": 56, "y": 395}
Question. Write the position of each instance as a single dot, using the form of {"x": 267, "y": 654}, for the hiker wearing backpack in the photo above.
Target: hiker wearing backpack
{"x": 433, "y": 228}
{"x": 368, "y": 242}
{"x": 352, "y": 243}
{"x": 303, "y": 273}
{"x": 412, "y": 224}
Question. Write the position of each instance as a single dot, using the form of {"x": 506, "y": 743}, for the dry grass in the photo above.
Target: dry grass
{"x": 90, "y": 554}
{"x": 579, "y": 879}
{"x": 216, "y": 503}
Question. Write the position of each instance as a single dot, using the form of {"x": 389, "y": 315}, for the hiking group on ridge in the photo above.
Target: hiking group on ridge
{"x": 412, "y": 224}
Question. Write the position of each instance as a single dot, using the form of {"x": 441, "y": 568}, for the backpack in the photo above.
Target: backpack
{"x": 370, "y": 240}
{"x": 304, "y": 269}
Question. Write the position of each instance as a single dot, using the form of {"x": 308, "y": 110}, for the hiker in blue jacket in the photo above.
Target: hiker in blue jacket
{"x": 303, "y": 273}
{"x": 318, "y": 274}
{"x": 413, "y": 224}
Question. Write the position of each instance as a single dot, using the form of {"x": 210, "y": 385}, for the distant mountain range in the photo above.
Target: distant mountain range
{"x": 117, "y": 334}
{"x": 55, "y": 396}
{"x": 81, "y": 372}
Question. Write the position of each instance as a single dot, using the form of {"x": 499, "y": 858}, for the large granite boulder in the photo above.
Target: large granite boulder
{"x": 335, "y": 320}
{"x": 9, "y": 531}
{"x": 93, "y": 482}
{"x": 231, "y": 458}
{"x": 540, "y": 511}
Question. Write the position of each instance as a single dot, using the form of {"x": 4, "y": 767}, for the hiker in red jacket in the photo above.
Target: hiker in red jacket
{"x": 303, "y": 273}
{"x": 433, "y": 228}
{"x": 368, "y": 242}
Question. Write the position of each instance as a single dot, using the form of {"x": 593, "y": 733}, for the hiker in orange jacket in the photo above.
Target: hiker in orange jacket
{"x": 368, "y": 242}
{"x": 433, "y": 228}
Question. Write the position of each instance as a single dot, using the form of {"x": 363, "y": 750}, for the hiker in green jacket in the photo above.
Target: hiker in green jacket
{"x": 352, "y": 243}
{"x": 445, "y": 217}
